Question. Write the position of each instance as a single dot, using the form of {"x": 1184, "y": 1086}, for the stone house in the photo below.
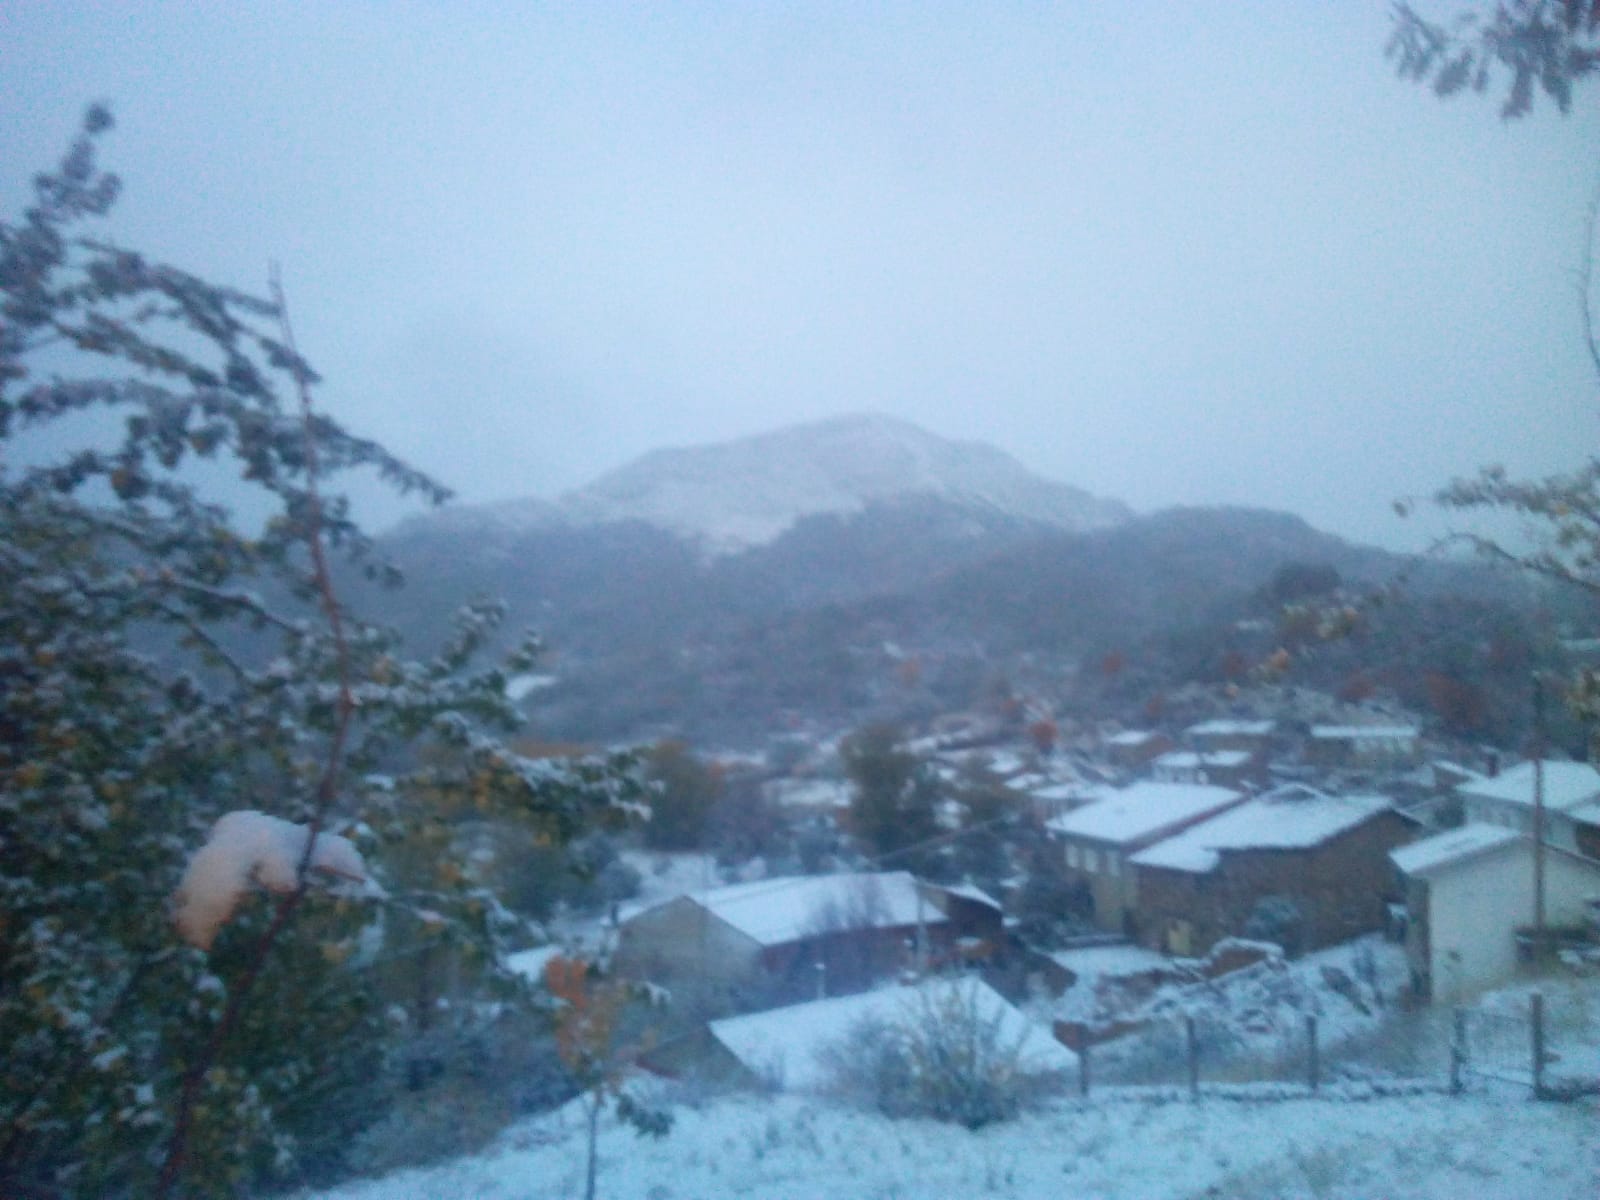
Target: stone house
{"x": 1098, "y": 839}
{"x": 1468, "y": 892}
{"x": 1296, "y": 866}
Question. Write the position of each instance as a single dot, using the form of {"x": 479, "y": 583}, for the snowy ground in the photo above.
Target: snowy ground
{"x": 1431, "y": 1147}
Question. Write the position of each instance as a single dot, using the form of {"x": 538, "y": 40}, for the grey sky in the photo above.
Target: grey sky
{"x": 1172, "y": 253}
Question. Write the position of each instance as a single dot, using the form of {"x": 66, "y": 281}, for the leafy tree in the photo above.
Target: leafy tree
{"x": 684, "y": 792}
{"x": 1556, "y": 45}
{"x": 163, "y": 663}
{"x": 592, "y": 1045}
{"x": 895, "y": 797}
{"x": 1553, "y": 44}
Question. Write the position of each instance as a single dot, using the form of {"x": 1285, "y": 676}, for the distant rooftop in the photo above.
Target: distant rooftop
{"x": 1204, "y": 758}
{"x": 1365, "y": 732}
{"x": 1227, "y": 727}
{"x": 1566, "y": 785}
{"x": 787, "y": 908}
{"x": 1265, "y": 823}
{"x": 1143, "y": 810}
{"x": 1131, "y": 737}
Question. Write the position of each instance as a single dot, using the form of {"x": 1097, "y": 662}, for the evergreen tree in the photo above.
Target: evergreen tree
{"x": 163, "y": 663}
{"x": 894, "y": 799}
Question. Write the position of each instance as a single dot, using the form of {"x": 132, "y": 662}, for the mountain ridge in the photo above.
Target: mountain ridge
{"x": 730, "y": 496}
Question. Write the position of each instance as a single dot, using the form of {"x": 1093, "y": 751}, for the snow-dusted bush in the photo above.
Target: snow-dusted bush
{"x": 163, "y": 663}
{"x": 950, "y": 1057}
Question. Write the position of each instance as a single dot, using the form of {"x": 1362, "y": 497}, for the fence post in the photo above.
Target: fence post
{"x": 1194, "y": 1057}
{"x": 1313, "y": 1064}
{"x": 1083, "y": 1062}
{"x": 1458, "y": 1050}
{"x": 1536, "y": 1024}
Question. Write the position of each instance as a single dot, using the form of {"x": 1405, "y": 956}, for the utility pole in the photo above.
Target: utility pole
{"x": 1538, "y": 819}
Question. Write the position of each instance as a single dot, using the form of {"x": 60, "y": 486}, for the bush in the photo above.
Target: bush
{"x": 949, "y": 1058}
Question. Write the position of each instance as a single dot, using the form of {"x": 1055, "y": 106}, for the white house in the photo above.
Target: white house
{"x": 1468, "y": 891}
{"x": 1507, "y": 799}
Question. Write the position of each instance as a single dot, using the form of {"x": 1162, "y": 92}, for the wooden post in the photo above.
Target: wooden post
{"x": 1083, "y": 1062}
{"x": 1536, "y": 1023}
{"x": 1458, "y": 1050}
{"x": 1313, "y": 1063}
{"x": 1194, "y": 1057}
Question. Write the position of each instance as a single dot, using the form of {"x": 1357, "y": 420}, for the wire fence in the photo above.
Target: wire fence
{"x": 1547, "y": 1045}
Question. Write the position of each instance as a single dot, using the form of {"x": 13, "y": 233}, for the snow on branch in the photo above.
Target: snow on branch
{"x": 247, "y": 847}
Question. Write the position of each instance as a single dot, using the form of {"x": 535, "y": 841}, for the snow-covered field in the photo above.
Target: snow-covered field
{"x": 1429, "y": 1147}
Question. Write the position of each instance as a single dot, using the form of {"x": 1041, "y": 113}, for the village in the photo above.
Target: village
{"x": 1261, "y": 872}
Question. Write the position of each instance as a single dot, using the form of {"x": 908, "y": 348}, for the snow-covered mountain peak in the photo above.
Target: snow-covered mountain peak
{"x": 734, "y": 495}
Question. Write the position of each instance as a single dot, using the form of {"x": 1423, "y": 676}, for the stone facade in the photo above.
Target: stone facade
{"x": 1341, "y": 887}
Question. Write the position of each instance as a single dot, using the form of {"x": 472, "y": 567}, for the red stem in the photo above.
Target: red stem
{"x": 327, "y": 786}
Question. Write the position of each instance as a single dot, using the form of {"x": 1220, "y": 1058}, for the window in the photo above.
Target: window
{"x": 1072, "y": 856}
{"x": 1091, "y": 861}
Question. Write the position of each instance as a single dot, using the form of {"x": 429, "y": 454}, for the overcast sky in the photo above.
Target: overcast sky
{"x": 1172, "y": 253}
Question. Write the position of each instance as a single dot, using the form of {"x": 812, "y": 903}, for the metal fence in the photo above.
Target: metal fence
{"x": 1546, "y": 1045}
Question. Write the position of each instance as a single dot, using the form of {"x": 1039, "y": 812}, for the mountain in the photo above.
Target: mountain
{"x": 736, "y": 495}
{"x": 862, "y": 568}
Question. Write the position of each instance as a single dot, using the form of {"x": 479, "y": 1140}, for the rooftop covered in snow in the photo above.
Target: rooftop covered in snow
{"x": 1566, "y": 785}
{"x": 1230, "y": 727}
{"x": 1285, "y": 822}
{"x": 789, "y": 1045}
{"x": 1451, "y": 847}
{"x": 774, "y": 911}
{"x": 1143, "y": 810}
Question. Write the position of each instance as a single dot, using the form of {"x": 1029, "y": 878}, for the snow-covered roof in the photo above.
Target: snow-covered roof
{"x": 1566, "y": 785}
{"x": 788, "y": 1045}
{"x": 968, "y": 892}
{"x": 808, "y": 793}
{"x": 1586, "y": 814}
{"x": 1451, "y": 847}
{"x": 1360, "y": 733}
{"x": 1262, "y": 824}
{"x": 1143, "y": 810}
{"x": 1188, "y": 759}
{"x": 785, "y": 909}
{"x": 1131, "y": 737}
{"x": 1223, "y": 727}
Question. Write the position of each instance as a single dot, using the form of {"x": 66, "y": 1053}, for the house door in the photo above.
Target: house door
{"x": 1180, "y": 938}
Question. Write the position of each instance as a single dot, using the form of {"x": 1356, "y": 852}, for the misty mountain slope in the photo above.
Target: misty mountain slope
{"x": 829, "y": 618}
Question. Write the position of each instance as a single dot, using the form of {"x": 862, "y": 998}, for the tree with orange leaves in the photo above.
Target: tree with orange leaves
{"x": 589, "y": 1041}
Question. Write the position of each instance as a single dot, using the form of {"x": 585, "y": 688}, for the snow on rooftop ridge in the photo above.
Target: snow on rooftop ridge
{"x": 1229, "y": 726}
{"x": 1265, "y": 823}
{"x": 1451, "y": 847}
{"x": 1364, "y": 732}
{"x": 742, "y": 493}
{"x": 1566, "y": 785}
{"x": 789, "y": 1045}
{"x": 1143, "y": 810}
{"x": 775, "y": 911}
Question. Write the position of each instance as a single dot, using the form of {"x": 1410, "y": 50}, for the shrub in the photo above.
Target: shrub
{"x": 949, "y": 1057}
